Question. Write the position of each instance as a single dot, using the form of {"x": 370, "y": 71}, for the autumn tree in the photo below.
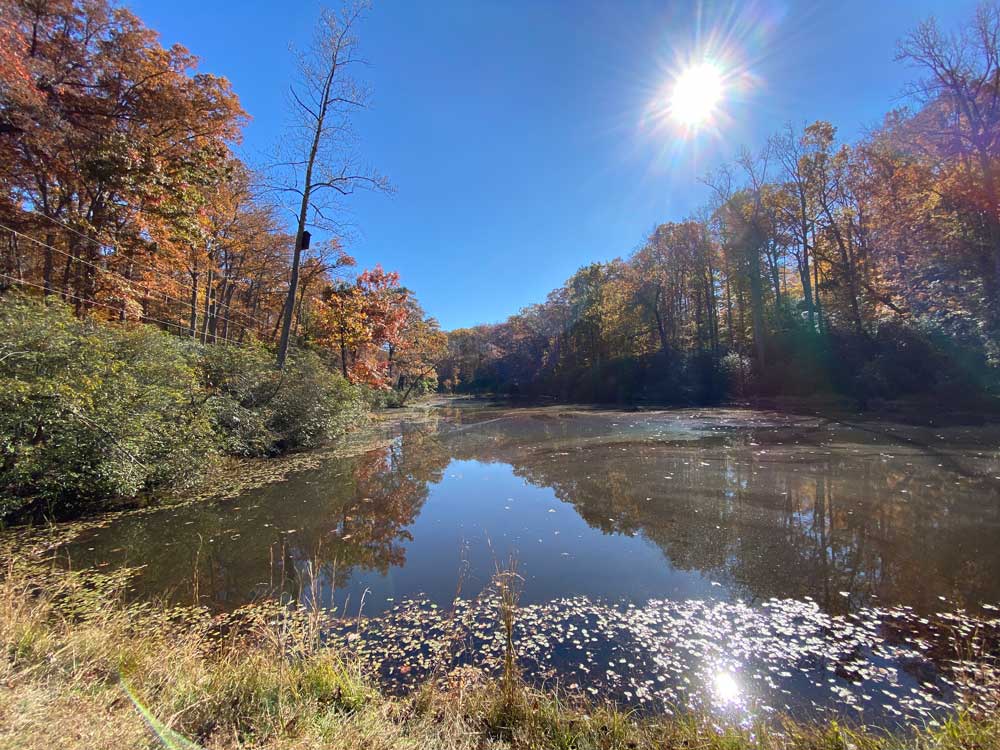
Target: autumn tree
{"x": 362, "y": 321}
{"x": 959, "y": 129}
{"x": 414, "y": 354}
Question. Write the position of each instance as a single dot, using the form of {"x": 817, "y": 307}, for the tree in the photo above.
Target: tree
{"x": 959, "y": 128}
{"x": 363, "y": 321}
{"x": 796, "y": 153}
{"x": 415, "y": 354}
{"x": 323, "y": 102}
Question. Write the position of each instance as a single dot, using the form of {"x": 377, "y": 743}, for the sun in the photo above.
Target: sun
{"x": 696, "y": 94}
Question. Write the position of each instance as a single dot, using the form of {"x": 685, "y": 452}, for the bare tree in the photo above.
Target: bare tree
{"x": 962, "y": 88}
{"x": 745, "y": 211}
{"x": 324, "y": 166}
{"x": 795, "y": 156}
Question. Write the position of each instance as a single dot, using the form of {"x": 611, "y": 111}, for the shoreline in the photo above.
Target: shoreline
{"x": 262, "y": 677}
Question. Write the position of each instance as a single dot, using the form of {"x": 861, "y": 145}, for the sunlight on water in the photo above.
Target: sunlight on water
{"x": 725, "y": 688}
{"x": 740, "y": 561}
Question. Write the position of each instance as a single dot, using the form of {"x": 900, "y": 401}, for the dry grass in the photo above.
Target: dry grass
{"x": 73, "y": 654}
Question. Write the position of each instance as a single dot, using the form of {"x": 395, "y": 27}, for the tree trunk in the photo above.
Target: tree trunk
{"x": 48, "y": 263}
{"x": 293, "y": 282}
{"x": 193, "y": 320}
{"x": 208, "y": 304}
{"x": 343, "y": 355}
{"x": 757, "y": 299}
{"x": 803, "y": 261}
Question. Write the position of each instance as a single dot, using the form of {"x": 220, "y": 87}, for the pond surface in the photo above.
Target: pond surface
{"x": 749, "y": 561}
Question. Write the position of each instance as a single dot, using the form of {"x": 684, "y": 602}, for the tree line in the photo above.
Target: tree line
{"x": 122, "y": 193}
{"x": 870, "y": 269}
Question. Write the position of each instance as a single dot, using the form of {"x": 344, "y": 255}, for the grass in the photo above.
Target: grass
{"x": 81, "y": 669}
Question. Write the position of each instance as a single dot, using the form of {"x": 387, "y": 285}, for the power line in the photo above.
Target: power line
{"x": 132, "y": 281}
{"x": 78, "y": 233}
{"x": 147, "y": 266}
{"x": 89, "y": 302}
{"x": 145, "y": 318}
{"x": 126, "y": 279}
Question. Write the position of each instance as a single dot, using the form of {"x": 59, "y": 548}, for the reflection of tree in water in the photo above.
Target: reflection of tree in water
{"x": 837, "y": 526}
{"x": 776, "y": 519}
{"x": 350, "y": 514}
{"x": 368, "y": 531}
{"x": 772, "y": 510}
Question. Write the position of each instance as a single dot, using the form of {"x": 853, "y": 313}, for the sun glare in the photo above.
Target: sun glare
{"x": 726, "y": 688}
{"x": 696, "y": 94}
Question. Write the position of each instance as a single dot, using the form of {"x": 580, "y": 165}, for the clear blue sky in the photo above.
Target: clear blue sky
{"x": 516, "y": 133}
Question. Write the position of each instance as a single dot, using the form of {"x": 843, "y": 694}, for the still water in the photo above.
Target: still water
{"x": 749, "y": 561}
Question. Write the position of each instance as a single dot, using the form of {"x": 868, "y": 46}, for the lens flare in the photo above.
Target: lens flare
{"x": 696, "y": 94}
{"x": 726, "y": 688}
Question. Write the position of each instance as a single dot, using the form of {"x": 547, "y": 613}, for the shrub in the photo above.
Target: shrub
{"x": 240, "y": 384}
{"x": 313, "y": 404}
{"x": 739, "y": 372}
{"x": 92, "y": 412}
{"x": 258, "y": 410}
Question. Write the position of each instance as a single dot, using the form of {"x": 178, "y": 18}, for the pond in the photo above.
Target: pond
{"x": 746, "y": 561}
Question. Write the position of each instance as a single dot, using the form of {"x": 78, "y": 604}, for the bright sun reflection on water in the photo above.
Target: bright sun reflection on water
{"x": 725, "y": 688}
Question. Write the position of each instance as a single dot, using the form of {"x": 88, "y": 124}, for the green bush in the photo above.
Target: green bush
{"x": 259, "y": 411}
{"x": 383, "y": 398}
{"x": 91, "y": 412}
{"x": 240, "y": 383}
{"x": 313, "y": 404}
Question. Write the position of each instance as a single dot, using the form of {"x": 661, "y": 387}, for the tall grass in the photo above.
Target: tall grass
{"x": 508, "y": 583}
{"x": 80, "y": 668}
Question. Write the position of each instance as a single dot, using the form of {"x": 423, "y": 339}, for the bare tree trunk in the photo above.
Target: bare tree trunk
{"x": 227, "y": 305}
{"x": 307, "y": 188}
{"x": 819, "y": 308}
{"x": 208, "y": 303}
{"x": 67, "y": 270}
{"x": 343, "y": 356}
{"x": 329, "y": 94}
{"x": 193, "y": 321}
{"x": 757, "y": 309}
{"x": 803, "y": 261}
{"x": 48, "y": 263}
{"x": 729, "y": 308}
{"x": 301, "y": 304}
{"x": 218, "y": 300}
{"x": 413, "y": 384}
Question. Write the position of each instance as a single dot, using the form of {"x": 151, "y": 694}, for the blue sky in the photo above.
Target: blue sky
{"x": 518, "y": 134}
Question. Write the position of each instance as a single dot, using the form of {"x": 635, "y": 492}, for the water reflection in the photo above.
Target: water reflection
{"x": 781, "y": 507}
{"x": 737, "y": 561}
{"x": 348, "y": 518}
{"x": 725, "y": 689}
{"x": 740, "y": 505}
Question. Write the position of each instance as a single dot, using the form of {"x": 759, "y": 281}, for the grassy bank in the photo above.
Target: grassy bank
{"x": 82, "y": 669}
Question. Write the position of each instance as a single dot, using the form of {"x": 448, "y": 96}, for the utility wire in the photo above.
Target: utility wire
{"x": 89, "y": 302}
{"x": 147, "y": 266}
{"x": 113, "y": 308}
{"x": 183, "y": 301}
{"x": 78, "y": 233}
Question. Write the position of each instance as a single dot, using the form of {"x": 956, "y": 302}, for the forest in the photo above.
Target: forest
{"x": 866, "y": 270}
{"x": 147, "y": 270}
